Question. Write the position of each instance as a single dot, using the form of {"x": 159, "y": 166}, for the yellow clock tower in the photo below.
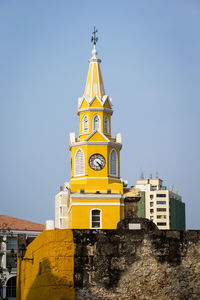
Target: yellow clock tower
{"x": 95, "y": 197}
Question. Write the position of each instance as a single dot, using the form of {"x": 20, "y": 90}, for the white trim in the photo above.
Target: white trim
{"x": 105, "y": 109}
{"x": 96, "y": 196}
{"x": 97, "y": 143}
{"x": 86, "y": 177}
{"x": 99, "y": 133}
{"x": 98, "y": 80}
{"x": 100, "y": 227}
{"x": 101, "y": 101}
{"x": 95, "y": 204}
{"x": 92, "y": 80}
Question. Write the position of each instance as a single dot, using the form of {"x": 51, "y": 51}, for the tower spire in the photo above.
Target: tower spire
{"x": 94, "y": 84}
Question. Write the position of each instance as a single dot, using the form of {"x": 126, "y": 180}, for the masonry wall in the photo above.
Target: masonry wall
{"x": 113, "y": 264}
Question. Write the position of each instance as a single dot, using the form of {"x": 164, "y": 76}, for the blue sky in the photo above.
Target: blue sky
{"x": 150, "y": 51}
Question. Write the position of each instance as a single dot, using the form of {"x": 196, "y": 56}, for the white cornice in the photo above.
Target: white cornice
{"x": 86, "y": 143}
{"x": 97, "y": 196}
{"x": 99, "y": 178}
{"x": 107, "y": 110}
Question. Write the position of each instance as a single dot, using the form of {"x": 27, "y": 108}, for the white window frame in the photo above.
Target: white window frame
{"x": 115, "y": 175}
{"x": 85, "y": 130}
{"x": 91, "y": 218}
{"x": 93, "y": 127}
{"x": 83, "y": 167}
{"x": 106, "y": 129}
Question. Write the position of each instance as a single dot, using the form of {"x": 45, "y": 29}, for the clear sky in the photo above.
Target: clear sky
{"x": 150, "y": 51}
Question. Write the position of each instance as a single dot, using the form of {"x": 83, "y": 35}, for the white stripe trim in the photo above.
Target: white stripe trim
{"x": 98, "y": 80}
{"x": 96, "y": 196}
{"x": 82, "y": 178}
{"x": 83, "y": 143}
{"x": 92, "y": 80}
{"x": 94, "y": 204}
{"x": 108, "y": 110}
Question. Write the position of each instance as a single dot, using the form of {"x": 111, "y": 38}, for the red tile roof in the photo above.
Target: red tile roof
{"x": 7, "y": 222}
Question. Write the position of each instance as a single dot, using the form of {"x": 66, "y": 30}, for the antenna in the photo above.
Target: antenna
{"x": 157, "y": 174}
{"x": 142, "y": 175}
{"x": 150, "y": 176}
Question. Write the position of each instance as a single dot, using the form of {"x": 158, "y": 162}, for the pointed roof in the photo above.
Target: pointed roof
{"x": 11, "y": 223}
{"x": 94, "y": 84}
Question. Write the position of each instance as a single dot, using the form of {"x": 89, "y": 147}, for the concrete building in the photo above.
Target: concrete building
{"x": 9, "y": 229}
{"x": 161, "y": 205}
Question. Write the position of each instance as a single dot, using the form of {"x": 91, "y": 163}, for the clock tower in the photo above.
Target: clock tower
{"x": 95, "y": 198}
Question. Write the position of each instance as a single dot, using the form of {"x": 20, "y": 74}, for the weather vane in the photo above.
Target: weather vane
{"x": 94, "y": 38}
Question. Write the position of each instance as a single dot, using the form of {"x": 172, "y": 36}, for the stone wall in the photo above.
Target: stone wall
{"x": 113, "y": 264}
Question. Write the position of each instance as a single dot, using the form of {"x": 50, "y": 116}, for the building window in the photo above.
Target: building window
{"x": 151, "y": 218}
{"x": 151, "y": 210}
{"x": 96, "y": 122}
{"x": 85, "y": 124}
{"x": 161, "y": 223}
{"x": 161, "y": 217}
{"x": 95, "y": 218}
{"x": 113, "y": 163}
{"x": 79, "y": 163}
{"x": 161, "y": 209}
{"x": 161, "y": 202}
{"x": 151, "y": 204}
{"x": 11, "y": 243}
{"x": 151, "y": 196}
{"x": 10, "y": 261}
{"x": 106, "y": 124}
{"x": 161, "y": 195}
{"x": 11, "y": 287}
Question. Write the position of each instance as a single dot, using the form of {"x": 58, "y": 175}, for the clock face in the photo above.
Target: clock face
{"x": 97, "y": 162}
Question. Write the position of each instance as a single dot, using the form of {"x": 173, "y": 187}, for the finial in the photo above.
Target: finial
{"x": 94, "y": 38}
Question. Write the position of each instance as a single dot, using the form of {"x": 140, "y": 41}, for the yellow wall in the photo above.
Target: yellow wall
{"x": 57, "y": 267}
{"x": 79, "y": 216}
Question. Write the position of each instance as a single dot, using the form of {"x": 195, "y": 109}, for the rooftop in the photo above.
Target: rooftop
{"x": 7, "y": 222}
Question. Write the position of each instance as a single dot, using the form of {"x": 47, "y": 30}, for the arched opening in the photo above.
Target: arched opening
{"x": 106, "y": 124}
{"x": 113, "y": 165}
{"x": 11, "y": 287}
{"x": 85, "y": 124}
{"x": 79, "y": 163}
{"x": 96, "y": 123}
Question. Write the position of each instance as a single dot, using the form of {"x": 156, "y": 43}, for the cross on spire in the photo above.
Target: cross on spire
{"x": 94, "y": 38}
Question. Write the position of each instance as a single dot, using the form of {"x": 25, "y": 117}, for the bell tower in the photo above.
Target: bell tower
{"x": 95, "y": 188}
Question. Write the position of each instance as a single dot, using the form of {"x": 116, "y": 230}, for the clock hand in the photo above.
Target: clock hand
{"x": 100, "y": 165}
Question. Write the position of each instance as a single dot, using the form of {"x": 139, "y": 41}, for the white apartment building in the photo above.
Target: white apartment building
{"x": 164, "y": 207}
{"x": 61, "y": 204}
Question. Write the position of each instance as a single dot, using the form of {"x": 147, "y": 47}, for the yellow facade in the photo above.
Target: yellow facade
{"x": 47, "y": 270}
{"x": 95, "y": 182}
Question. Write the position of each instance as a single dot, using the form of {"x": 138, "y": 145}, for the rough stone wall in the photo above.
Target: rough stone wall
{"x": 112, "y": 264}
{"x": 137, "y": 264}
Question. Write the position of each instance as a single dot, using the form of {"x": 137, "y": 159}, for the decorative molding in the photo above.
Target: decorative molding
{"x": 104, "y": 109}
{"x": 86, "y": 177}
{"x": 94, "y": 204}
{"x": 96, "y": 196}
{"x": 99, "y": 133}
{"x": 84, "y": 143}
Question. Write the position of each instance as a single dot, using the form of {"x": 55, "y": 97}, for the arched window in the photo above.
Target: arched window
{"x": 96, "y": 123}
{"x": 79, "y": 163}
{"x": 11, "y": 287}
{"x": 85, "y": 124}
{"x": 106, "y": 124}
{"x": 95, "y": 218}
{"x": 113, "y": 163}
